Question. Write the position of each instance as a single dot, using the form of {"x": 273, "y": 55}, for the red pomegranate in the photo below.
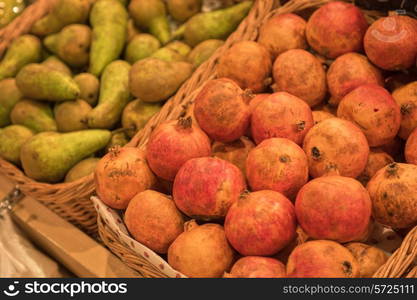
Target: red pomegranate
{"x": 256, "y": 267}
{"x": 222, "y": 111}
{"x": 372, "y": 108}
{"x": 390, "y": 42}
{"x": 277, "y": 164}
{"x": 281, "y": 115}
{"x": 348, "y": 72}
{"x": 201, "y": 251}
{"x": 172, "y": 143}
{"x": 334, "y": 208}
{"x": 336, "y": 28}
{"x": 411, "y": 148}
{"x": 336, "y": 146}
{"x": 121, "y": 174}
{"x": 153, "y": 220}
{"x": 393, "y": 194}
{"x": 206, "y": 187}
{"x": 406, "y": 98}
{"x": 260, "y": 223}
{"x": 256, "y": 100}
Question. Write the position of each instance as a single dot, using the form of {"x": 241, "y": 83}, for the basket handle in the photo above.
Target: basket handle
{"x": 22, "y": 24}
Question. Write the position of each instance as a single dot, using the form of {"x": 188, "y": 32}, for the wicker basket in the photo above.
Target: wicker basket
{"x": 69, "y": 200}
{"x": 400, "y": 264}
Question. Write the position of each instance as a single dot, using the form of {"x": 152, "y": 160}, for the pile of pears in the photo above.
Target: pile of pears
{"x": 91, "y": 73}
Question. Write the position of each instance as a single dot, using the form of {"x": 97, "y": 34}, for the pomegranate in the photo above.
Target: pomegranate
{"x": 172, "y": 143}
{"x": 260, "y": 223}
{"x": 411, "y": 148}
{"x": 406, "y": 98}
{"x": 201, "y": 251}
{"x": 336, "y": 145}
{"x": 235, "y": 152}
{"x": 221, "y": 110}
{"x": 373, "y": 109}
{"x": 321, "y": 115}
{"x": 248, "y": 64}
{"x": 393, "y": 194}
{"x": 301, "y": 74}
{"x": 336, "y": 28}
{"x": 256, "y": 267}
{"x": 369, "y": 258}
{"x": 153, "y": 220}
{"x": 394, "y": 147}
{"x": 334, "y": 208}
{"x": 277, "y": 164}
{"x": 206, "y": 187}
{"x": 322, "y": 259}
{"x": 348, "y": 72}
{"x": 281, "y": 115}
{"x": 377, "y": 159}
{"x": 121, "y": 174}
{"x": 390, "y": 42}
{"x": 283, "y": 32}
{"x": 256, "y": 99}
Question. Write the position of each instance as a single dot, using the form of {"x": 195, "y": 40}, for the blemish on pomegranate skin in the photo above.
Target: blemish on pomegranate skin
{"x": 347, "y": 267}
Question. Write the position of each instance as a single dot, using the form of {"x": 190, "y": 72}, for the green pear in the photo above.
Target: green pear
{"x": 55, "y": 63}
{"x": 12, "y": 138}
{"x": 174, "y": 51}
{"x": 181, "y": 10}
{"x": 9, "y": 96}
{"x": 89, "y": 87}
{"x": 151, "y": 15}
{"x": 203, "y": 51}
{"x": 48, "y": 156}
{"x": 109, "y": 21}
{"x": 155, "y": 80}
{"x": 82, "y": 169}
{"x": 140, "y": 47}
{"x": 24, "y": 50}
{"x": 217, "y": 24}
{"x": 71, "y": 44}
{"x": 39, "y": 82}
{"x": 132, "y": 30}
{"x": 118, "y": 139}
{"x": 136, "y": 114}
{"x": 34, "y": 115}
{"x": 10, "y": 9}
{"x": 72, "y": 115}
{"x": 180, "y": 47}
{"x": 63, "y": 13}
{"x": 114, "y": 95}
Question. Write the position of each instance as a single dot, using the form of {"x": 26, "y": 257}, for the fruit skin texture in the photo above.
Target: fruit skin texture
{"x": 221, "y": 110}
{"x": 373, "y": 109}
{"x": 321, "y": 115}
{"x": 81, "y": 169}
{"x": 322, "y": 259}
{"x": 181, "y": 10}
{"x": 348, "y": 72}
{"x": 9, "y": 96}
{"x": 201, "y": 251}
{"x": 411, "y": 148}
{"x": 392, "y": 191}
{"x": 72, "y": 115}
{"x": 136, "y": 114}
{"x": 172, "y": 144}
{"x": 283, "y": 32}
{"x": 281, "y": 115}
{"x": 336, "y": 145}
{"x": 260, "y": 223}
{"x": 368, "y": 257}
{"x": 336, "y": 28}
{"x": 206, "y": 187}
{"x": 203, "y": 51}
{"x": 256, "y": 267}
{"x": 35, "y": 115}
{"x": 334, "y": 208}
{"x": 277, "y": 164}
{"x": 301, "y": 74}
{"x": 153, "y": 220}
{"x": 235, "y": 152}
{"x": 89, "y": 87}
{"x": 406, "y": 98}
{"x": 390, "y": 42}
{"x": 377, "y": 159}
{"x": 12, "y": 139}
{"x": 120, "y": 175}
{"x": 248, "y": 63}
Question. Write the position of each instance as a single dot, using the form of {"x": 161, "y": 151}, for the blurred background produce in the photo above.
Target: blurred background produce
{"x": 90, "y": 74}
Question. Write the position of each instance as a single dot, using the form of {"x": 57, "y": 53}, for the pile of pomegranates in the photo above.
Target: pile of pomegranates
{"x": 299, "y": 133}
